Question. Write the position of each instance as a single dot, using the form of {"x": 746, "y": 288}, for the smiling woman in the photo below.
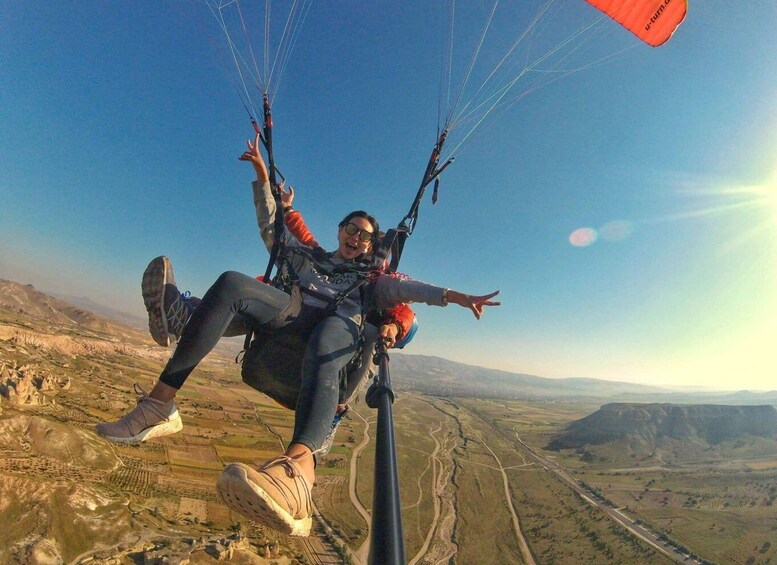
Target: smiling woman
{"x": 357, "y": 235}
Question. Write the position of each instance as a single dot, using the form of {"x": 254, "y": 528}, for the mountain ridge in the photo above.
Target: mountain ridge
{"x": 710, "y": 424}
{"x": 26, "y": 299}
{"x": 441, "y": 377}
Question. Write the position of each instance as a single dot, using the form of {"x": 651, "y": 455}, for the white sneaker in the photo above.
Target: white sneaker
{"x": 149, "y": 419}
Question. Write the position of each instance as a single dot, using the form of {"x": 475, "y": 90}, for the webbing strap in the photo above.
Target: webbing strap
{"x": 392, "y": 244}
{"x": 278, "y": 225}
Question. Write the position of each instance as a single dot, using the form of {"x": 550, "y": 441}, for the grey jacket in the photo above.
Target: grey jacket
{"x": 386, "y": 291}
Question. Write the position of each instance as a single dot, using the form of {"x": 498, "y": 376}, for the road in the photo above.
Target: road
{"x": 614, "y": 514}
{"x": 361, "y": 554}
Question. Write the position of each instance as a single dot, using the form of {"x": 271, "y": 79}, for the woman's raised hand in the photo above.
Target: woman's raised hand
{"x": 255, "y": 157}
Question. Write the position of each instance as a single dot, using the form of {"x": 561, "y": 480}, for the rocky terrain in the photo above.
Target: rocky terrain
{"x": 26, "y": 300}
{"x": 67, "y": 495}
{"x": 24, "y": 386}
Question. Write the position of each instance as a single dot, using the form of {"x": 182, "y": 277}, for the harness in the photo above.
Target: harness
{"x": 273, "y": 353}
{"x": 269, "y": 356}
{"x": 363, "y": 272}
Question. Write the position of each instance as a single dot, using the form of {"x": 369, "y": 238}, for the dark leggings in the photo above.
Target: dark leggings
{"x": 236, "y": 299}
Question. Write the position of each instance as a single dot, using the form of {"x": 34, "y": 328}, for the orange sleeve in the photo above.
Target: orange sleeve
{"x": 402, "y": 315}
{"x": 296, "y": 226}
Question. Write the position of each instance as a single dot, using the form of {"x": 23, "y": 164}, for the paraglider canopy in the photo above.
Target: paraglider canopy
{"x": 653, "y": 21}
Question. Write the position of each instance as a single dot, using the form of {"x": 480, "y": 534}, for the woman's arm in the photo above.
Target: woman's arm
{"x": 264, "y": 202}
{"x": 390, "y": 291}
{"x": 474, "y": 303}
{"x": 402, "y": 317}
{"x": 393, "y": 323}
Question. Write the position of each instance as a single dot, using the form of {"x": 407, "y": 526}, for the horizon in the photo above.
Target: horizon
{"x": 669, "y": 388}
{"x": 627, "y": 213}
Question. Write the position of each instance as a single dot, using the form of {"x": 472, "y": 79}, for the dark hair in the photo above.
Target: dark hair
{"x": 362, "y": 214}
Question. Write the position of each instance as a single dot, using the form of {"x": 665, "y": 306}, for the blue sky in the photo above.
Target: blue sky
{"x": 121, "y": 130}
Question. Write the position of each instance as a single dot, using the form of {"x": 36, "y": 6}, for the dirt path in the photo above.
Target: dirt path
{"x": 446, "y": 548}
{"x": 361, "y": 555}
{"x": 614, "y": 514}
{"x": 527, "y": 556}
{"x": 315, "y": 550}
{"x": 434, "y": 462}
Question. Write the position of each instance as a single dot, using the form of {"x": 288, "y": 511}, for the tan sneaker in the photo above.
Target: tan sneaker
{"x": 150, "y": 418}
{"x": 276, "y": 495}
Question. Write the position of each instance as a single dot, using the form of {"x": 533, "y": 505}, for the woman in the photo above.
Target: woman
{"x": 330, "y": 296}
{"x": 169, "y": 310}
{"x": 266, "y": 364}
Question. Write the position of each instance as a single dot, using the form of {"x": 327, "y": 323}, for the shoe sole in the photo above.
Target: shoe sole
{"x": 158, "y": 273}
{"x": 249, "y": 499}
{"x": 169, "y": 427}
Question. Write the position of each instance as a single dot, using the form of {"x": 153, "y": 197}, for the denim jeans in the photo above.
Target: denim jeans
{"x": 238, "y": 301}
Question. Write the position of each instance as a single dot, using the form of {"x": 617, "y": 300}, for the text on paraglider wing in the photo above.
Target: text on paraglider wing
{"x": 657, "y": 15}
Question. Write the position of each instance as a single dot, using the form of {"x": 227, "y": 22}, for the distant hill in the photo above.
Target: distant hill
{"x": 650, "y": 423}
{"x": 60, "y": 316}
{"x": 104, "y": 311}
{"x": 26, "y": 300}
{"x": 441, "y": 377}
{"x": 437, "y": 376}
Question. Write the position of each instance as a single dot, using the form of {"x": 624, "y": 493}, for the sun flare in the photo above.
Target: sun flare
{"x": 754, "y": 205}
{"x": 766, "y": 195}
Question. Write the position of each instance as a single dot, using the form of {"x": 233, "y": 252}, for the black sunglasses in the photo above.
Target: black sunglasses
{"x": 353, "y": 229}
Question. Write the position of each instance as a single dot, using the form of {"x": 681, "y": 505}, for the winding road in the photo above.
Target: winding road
{"x": 361, "y": 555}
{"x": 525, "y": 552}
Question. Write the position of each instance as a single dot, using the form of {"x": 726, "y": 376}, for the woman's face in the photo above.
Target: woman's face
{"x": 351, "y": 238}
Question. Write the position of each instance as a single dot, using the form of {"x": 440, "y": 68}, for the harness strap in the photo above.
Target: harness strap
{"x": 286, "y": 277}
{"x": 392, "y": 244}
{"x": 278, "y": 226}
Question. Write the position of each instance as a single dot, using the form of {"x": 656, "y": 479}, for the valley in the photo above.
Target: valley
{"x": 479, "y": 482}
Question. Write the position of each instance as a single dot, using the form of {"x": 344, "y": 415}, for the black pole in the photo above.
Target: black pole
{"x": 387, "y": 546}
{"x": 386, "y": 541}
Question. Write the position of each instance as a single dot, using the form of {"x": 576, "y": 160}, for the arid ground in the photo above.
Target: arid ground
{"x": 477, "y": 482}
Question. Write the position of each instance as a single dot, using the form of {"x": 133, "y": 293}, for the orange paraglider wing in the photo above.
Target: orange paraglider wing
{"x": 653, "y": 21}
